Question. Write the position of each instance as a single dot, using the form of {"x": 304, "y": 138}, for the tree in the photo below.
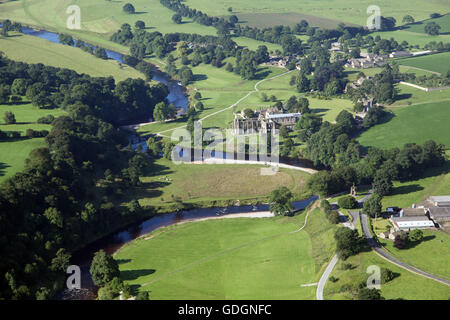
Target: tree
{"x": 284, "y": 132}
{"x": 140, "y": 24}
{"x": 143, "y": 295}
{"x": 408, "y": 19}
{"x": 386, "y": 275}
{"x": 129, "y": 8}
{"x": 280, "y": 201}
{"x": 234, "y": 19}
{"x": 103, "y": 268}
{"x": 333, "y": 217}
{"x": 9, "y": 117}
{"x": 369, "y": 294}
{"x": 372, "y": 206}
{"x": 348, "y": 242}
{"x": 401, "y": 241}
{"x": 101, "y": 53}
{"x": 348, "y": 202}
{"x": 61, "y": 261}
{"x": 382, "y": 183}
{"x": 177, "y": 18}
{"x": 416, "y": 235}
{"x": 432, "y": 28}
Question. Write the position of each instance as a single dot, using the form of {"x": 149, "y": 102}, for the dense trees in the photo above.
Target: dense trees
{"x": 348, "y": 202}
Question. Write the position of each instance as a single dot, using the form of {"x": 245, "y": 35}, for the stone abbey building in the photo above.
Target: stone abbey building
{"x": 264, "y": 121}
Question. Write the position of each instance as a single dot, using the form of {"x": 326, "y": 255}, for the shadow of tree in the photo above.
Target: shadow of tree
{"x": 3, "y": 166}
{"x": 128, "y": 275}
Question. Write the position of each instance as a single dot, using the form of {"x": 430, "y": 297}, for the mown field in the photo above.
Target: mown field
{"x": 239, "y": 258}
{"x": 415, "y": 123}
{"x": 435, "y": 62}
{"x": 194, "y": 183}
{"x": 13, "y": 153}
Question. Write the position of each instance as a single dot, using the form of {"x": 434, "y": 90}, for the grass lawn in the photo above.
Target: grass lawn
{"x": 230, "y": 259}
{"x": 428, "y": 255}
{"x": 194, "y": 183}
{"x": 31, "y": 49}
{"x": 406, "y": 285}
{"x": 13, "y": 153}
{"x": 439, "y": 62}
{"x": 416, "y": 123}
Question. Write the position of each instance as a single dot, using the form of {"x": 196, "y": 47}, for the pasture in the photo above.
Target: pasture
{"x": 404, "y": 286}
{"x": 419, "y": 26}
{"x": 439, "y": 62}
{"x": 415, "y": 123}
{"x": 348, "y": 11}
{"x": 426, "y": 255}
{"x": 240, "y": 258}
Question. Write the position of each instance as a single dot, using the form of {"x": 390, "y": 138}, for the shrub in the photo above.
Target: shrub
{"x": 333, "y": 217}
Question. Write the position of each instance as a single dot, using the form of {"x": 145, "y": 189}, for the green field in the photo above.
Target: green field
{"x": 406, "y": 285}
{"x": 428, "y": 254}
{"x": 194, "y": 183}
{"x": 415, "y": 123}
{"x": 419, "y": 26}
{"x": 349, "y": 11}
{"x": 14, "y": 153}
{"x": 435, "y": 181}
{"x": 435, "y": 62}
{"x": 36, "y": 50}
{"x": 239, "y": 258}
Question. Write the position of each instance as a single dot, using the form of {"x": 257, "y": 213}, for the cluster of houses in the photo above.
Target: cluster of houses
{"x": 367, "y": 60}
{"x": 264, "y": 121}
{"x": 433, "y": 212}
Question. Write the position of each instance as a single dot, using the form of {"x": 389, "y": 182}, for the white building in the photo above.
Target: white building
{"x": 412, "y": 222}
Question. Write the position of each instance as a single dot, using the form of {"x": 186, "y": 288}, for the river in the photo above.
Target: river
{"x": 114, "y": 241}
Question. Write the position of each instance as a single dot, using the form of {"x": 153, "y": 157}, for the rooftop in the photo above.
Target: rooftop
{"x": 439, "y": 211}
{"x": 440, "y": 198}
{"x": 413, "y": 211}
{"x": 410, "y": 218}
{"x": 284, "y": 115}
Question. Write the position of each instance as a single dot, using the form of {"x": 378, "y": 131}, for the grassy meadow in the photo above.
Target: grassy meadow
{"x": 241, "y": 258}
{"x": 195, "y": 184}
{"x": 31, "y": 49}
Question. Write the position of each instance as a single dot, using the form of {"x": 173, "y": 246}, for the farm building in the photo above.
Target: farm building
{"x": 412, "y": 222}
{"x": 440, "y": 201}
{"x": 400, "y": 54}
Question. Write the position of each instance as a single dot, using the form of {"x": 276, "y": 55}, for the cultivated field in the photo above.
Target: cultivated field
{"x": 230, "y": 258}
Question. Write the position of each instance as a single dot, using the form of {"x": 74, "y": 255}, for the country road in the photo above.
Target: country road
{"x": 387, "y": 256}
{"x": 335, "y": 259}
